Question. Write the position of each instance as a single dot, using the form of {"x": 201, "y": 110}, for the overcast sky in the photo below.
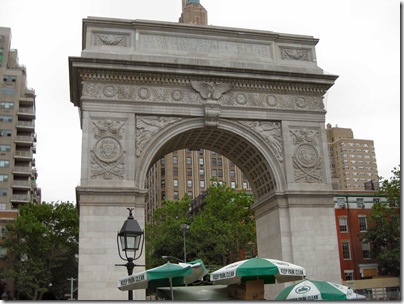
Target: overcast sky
{"x": 359, "y": 42}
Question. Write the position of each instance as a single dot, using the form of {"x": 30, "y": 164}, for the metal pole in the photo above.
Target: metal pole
{"x": 71, "y": 287}
{"x": 130, "y": 265}
{"x": 185, "y": 248}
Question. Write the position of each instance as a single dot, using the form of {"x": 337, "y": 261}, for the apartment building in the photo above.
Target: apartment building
{"x": 18, "y": 174}
{"x": 358, "y": 269}
{"x": 353, "y": 161}
{"x": 189, "y": 172}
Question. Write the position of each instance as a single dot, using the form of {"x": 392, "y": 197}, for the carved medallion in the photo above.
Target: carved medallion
{"x": 107, "y": 155}
{"x": 306, "y": 160}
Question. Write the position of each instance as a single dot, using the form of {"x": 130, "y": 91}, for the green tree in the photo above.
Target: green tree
{"x": 224, "y": 228}
{"x": 41, "y": 247}
{"x": 163, "y": 234}
{"x": 384, "y": 232}
{"x": 218, "y": 234}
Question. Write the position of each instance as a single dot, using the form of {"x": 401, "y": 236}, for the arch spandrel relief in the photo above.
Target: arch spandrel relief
{"x": 307, "y": 160}
{"x": 272, "y": 134}
{"x": 149, "y": 126}
{"x": 108, "y": 152}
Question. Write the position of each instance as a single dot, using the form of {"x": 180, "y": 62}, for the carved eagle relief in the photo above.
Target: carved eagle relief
{"x": 210, "y": 90}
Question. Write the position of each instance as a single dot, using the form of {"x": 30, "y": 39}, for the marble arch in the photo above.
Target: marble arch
{"x": 145, "y": 88}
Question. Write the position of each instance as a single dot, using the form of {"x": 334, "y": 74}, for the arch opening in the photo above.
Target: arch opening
{"x": 244, "y": 154}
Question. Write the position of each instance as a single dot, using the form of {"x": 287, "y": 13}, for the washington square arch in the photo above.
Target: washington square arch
{"x": 146, "y": 88}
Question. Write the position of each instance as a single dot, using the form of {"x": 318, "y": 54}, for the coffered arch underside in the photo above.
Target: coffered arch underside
{"x": 259, "y": 159}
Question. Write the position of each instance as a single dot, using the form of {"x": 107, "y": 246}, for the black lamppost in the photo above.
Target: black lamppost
{"x": 131, "y": 238}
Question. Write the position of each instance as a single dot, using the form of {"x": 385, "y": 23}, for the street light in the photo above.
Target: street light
{"x": 184, "y": 229}
{"x": 131, "y": 238}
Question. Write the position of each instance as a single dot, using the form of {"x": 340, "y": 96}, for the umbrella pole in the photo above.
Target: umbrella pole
{"x": 171, "y": 287}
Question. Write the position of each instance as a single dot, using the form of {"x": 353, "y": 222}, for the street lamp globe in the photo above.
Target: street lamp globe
{"x": 131, "y": 238}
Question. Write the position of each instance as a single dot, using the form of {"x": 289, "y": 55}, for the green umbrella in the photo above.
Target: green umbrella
{"x": 317, "y": 290}
{"x": 165, "y": 275}
{"x": 269, "y": 270}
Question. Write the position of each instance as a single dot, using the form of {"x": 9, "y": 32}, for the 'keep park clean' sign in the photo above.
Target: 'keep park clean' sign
{"x": 126, "y": 282}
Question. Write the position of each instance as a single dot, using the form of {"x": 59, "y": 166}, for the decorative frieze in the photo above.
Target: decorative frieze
{"x": 198, "y": 92}
{"x": 107, "y": 153}
{"x": 271, "y": 132}
{"x": 307, "y": 162}
{"x": 148, "y": 126}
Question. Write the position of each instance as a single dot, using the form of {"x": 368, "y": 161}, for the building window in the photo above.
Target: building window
{"x": 175, "y": 183}
{"x": 233, "y": 185}
{"x": 189, "y": 183}
{"x": 176, "y": 195}
{"x": 363, "y": 226}
{"x": 220, "y": 162}
{"x": 189, "y": 171}
{"x": 163, "y": 183}
{"x": 8, "y": 91}
{"x": 163, "y": 195}
{"x": 5, "y": 132}
{"x": 3, "y": 192}
{"x": 4, "y": 163}
{"x": 163, "y": 172}
{"x": 175, "y": 159}
{"x": 214, "y": 173}
{"x": 213, "y": 161}
{"x": 343, "y": 225}
{"x": 245, "y": 185}
{"x": 9, "y": 78}
{"x": 3, "y": 206}
{"x": 163, "y": 161}
{"x": 7, "y": 105}
{"x": 3, "y": 232}
{"x": 6, "y": 118}
{"x": 232, "y": 173}
{"x": 346, "y": 253}
{"x": 360, "y": 203}
{"x": 348, "y": 275}
{"x": 219, "y": 173}
{"x": 3, "y": 177}
{"x": 189, "y": 160}
{"x": 201, "y": 172}
{"x": 202, "y": 184}
{"x": 175, "y": 171}
{"x": 201, "y": 161}
{"x": 5, "y": 148}
{"x": 190, "y": 194}
{"x": 366, "y": 250}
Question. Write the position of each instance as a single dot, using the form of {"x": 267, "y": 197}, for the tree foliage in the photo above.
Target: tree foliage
{"x": 219, "y": 233}
{"x": 41, "y": 247}
{"x": 384, "y": 232}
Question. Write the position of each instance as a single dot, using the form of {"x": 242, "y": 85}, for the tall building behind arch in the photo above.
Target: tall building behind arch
{"x": 193, "y": 13}
{"x": 189, "y": 172}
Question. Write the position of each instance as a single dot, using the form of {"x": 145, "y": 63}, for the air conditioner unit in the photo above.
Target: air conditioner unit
{"x": 341, "y": 205}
